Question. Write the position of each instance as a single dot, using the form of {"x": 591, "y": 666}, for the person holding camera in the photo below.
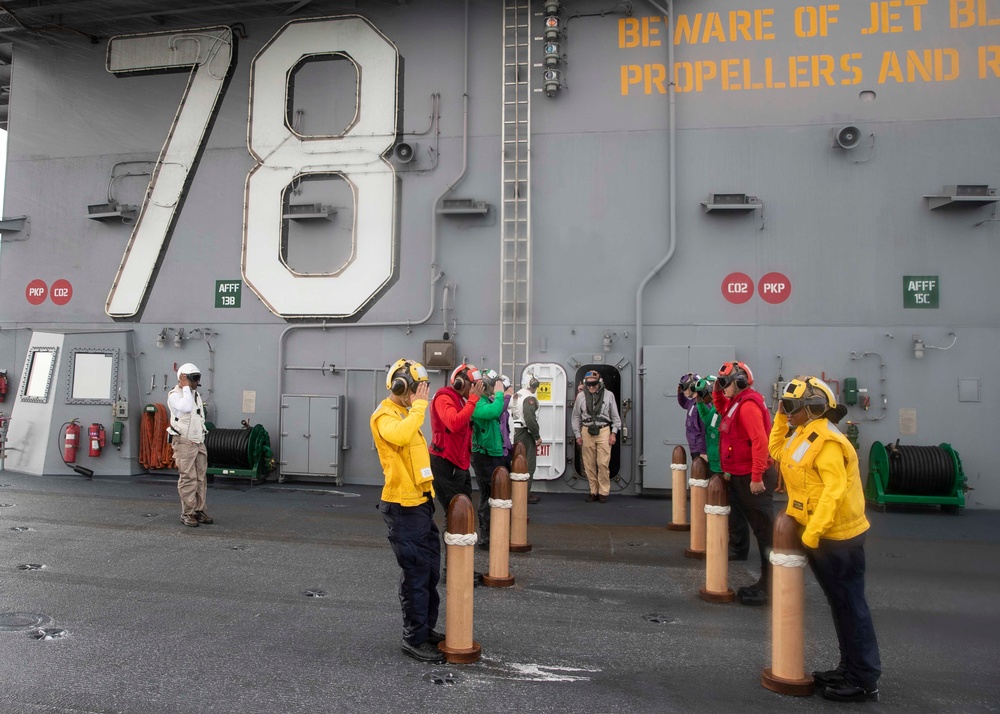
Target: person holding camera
{"x": 523, "y": 414}
{"x": 596, "y": 425}
{"x": 407, "y": 505}
{"x": 187, "y": 437}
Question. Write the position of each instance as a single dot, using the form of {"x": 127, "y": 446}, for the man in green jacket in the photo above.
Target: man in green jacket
{"x": 487, "y": 448}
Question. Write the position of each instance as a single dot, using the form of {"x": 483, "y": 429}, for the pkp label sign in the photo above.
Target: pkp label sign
{"x": 36, "y": 292}
{"x": 774, "y": 288}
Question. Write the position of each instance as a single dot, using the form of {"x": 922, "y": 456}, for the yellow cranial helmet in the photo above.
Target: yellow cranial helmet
{"x": 810, "y": 392}
{"x": 404, "y": 376}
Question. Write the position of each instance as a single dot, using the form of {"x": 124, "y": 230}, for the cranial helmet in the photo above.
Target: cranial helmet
{"x": 187, "y": 368}
{"x": 404, "y": 376}
{"x": 703, "y": 387}
{"x": 735, "y": 373}
{"x": 464, "y": 375}
{"x": 808, "y": 392}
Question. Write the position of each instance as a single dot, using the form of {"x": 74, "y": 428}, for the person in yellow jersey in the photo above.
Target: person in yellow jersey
{"x": 407, "y": 505}
{"x": 825, "y": 496}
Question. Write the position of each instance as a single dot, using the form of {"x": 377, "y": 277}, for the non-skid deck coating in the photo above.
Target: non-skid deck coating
{"x": 604, "y": 615}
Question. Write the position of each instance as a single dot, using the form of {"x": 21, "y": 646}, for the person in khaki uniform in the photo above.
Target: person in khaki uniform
{"x": 596, "y": 424}
{"x": 187, "y": 437}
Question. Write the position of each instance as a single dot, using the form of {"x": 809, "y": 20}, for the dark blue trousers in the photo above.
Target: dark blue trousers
{"x": 416, "y": 542}
{"x": 841, "y": 574}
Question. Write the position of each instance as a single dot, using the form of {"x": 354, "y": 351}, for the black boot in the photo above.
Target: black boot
{"x": 846, "y": 692}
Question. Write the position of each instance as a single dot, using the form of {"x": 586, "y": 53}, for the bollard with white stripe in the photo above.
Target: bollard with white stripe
{"x": 678, "y": 493}
{"x": 500, "y": 506}
{"x": 699, "y": 489}
{"x": 519, "y": 497}
{"x": 717, "y": 544}
{"x": 786, "y": 675}
{"x": 460, "y": 539}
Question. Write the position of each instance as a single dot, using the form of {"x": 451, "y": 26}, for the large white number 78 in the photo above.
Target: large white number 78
{"x": 284, "y": 155}
{"x": 209, "y": 54}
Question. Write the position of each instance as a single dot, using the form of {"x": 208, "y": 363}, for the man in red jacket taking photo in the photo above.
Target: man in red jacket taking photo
{"x": 451, "y": 433}
{"x": 743, "y": 453}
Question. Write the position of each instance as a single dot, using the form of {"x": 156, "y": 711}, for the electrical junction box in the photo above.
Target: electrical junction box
{"x": 439, "y": 354}
{"x": 121, "y": 409}
{"x": 850, "y": 391}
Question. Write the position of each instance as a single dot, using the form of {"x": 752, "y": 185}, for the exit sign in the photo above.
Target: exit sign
{"x": 921, "y": 291}
{"x": 227, "y": 293}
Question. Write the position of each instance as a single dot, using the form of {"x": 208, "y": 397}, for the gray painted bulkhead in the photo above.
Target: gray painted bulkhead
{"x": 843, "y": 232}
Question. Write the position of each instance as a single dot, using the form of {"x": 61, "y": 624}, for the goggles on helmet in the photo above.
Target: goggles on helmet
{"x": 790, "y": 405}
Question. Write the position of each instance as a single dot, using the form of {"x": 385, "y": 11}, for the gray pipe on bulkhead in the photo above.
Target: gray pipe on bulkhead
{"x": 672, "y": 244}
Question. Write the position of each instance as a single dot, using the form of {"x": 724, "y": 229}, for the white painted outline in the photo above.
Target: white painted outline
{"x": 210, "y": 65}
{"x": 357, "y": 154}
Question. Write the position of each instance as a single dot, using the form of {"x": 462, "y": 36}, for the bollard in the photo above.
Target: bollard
{"x": 699, "y": 487}
{"x": 678, "y": 494}
{"x": 519, "y": 499}
{"x": 786, "y": 675}
{"x": 460, "y": 538}
{"x": 717, "y": 543}
{"x": 500, "y": 507}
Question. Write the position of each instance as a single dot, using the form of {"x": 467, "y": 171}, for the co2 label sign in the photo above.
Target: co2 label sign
{"x": 737, "y": 288}
{"x": 60, "y": 293}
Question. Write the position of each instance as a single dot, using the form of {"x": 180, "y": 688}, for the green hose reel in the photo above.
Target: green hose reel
{"x": 915, "y": 475}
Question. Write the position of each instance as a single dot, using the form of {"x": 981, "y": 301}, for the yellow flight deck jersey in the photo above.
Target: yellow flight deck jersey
{"x": 820, "y": 470}
{"x": 403, "y": 452}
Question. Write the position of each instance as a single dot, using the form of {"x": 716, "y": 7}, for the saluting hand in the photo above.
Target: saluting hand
{"x": 478, "y": 389}
{"x": 423, "y": 390}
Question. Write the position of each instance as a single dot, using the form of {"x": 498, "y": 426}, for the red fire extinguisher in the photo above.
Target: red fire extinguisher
{"x": 97, "y": 438}
{"x": 3, "y": 385}
{"x": 71, "y": 442}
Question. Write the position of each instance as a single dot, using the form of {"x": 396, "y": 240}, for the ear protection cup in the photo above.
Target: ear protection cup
{"x": 399, "y": 386}
{"x": 463, "y": 376}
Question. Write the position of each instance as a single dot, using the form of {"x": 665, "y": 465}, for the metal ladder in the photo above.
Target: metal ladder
{"x": 515, "y": 233}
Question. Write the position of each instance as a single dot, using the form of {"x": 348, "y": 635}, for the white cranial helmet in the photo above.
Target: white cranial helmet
{"x": 187, "y": 368}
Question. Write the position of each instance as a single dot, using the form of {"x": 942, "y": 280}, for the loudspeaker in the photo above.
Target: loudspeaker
{"x": 404, "y": 152}
{"x": 846, "y": 137}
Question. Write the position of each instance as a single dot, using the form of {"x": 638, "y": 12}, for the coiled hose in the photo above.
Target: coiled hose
{"x": 229, "y": 447}
{"x": 154, "y": 451}
{"x": 920, "y": 470}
